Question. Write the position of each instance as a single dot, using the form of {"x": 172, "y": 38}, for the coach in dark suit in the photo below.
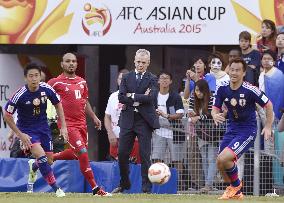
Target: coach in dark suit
{"x": 138, "y": 118}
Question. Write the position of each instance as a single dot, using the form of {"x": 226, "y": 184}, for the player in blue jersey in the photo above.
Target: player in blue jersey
{"x": 32, "y": 128}
{"x": 240, "y": 98}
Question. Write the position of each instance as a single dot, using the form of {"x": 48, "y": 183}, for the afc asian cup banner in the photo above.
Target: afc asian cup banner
{"x": 133, "y": 21}
{"x": 11, "y": 78}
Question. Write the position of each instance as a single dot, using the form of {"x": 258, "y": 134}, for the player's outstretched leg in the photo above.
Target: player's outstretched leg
{"x": 67, "y": 154}
{"x": 48, "y": 175}
{"x": 88, "y": 173}
{"x": 32, "y": 175}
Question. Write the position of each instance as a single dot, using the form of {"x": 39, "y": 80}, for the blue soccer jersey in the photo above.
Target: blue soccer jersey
{"x": 241, "y": 103}
{"x": 242, "y": 126}
{"x": 31, "y": 106}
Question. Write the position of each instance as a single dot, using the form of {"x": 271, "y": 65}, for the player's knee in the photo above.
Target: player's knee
{"x": 50, "y": 161}
{"x": 82, "y": 151}
{"x": 220, "y": 161}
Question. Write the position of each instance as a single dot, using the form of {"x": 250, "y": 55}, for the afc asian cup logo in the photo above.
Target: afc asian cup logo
{"x": 97, "y": 20}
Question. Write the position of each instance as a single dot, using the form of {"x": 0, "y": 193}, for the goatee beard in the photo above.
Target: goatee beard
{"x": 70, "y": 72}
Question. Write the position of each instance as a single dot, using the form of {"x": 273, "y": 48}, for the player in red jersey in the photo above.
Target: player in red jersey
{"x": 73, "y": 91}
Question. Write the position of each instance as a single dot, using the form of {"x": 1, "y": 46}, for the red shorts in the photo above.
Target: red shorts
{"x": 113, "y": 151}
{"x": 78, "y": 138}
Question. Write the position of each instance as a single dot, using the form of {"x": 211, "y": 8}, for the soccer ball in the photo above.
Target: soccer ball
{"x": 159, "y": 173}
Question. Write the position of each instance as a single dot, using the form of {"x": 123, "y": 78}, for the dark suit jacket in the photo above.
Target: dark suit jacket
{"x": 147, "y": 102}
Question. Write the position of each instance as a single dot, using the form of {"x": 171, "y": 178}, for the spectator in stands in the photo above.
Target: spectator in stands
{"x": 200, "y": 106}
{"x": 281, "y": 123}
{"x": 266, "y": 39}
{"x": 233, "y": 53}
{"x": 251, "y": 57}
{"x": 170, "y": 110}
{"x": 280, "y": 54}
{"x": 111, "y": 118}
{"x": 197, "y": 72}
{"x": 216, "y": 65}
{"x": 271, "y": 81}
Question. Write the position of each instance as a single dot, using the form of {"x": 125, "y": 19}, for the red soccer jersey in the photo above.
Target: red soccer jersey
{"x": 74, "y": 95}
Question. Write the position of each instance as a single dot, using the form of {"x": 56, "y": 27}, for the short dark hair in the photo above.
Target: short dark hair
{"x": 269, "y": 52}
{"x": 245, "y": 35}
{"x": 280, "y": 33}
{"x": 236, "y": 50}
{"x": 31, "y": 66}
{"x": 216, "y": 55}
{"x": 166, "y": 73}
{"x": 204, "y": 59}
{"x": 239, "y": 60}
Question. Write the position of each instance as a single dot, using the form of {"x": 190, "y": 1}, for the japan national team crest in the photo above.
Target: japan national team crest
{"x": 36, "y": 102}
{"x": 242, "y": 102}
{"x": 233, "y": 102}
{"x": 43, "y": 99}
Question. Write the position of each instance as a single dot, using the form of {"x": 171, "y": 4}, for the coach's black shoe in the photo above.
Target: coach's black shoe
{"x": 121, "y": 188}
{"x": 147, "y": 191}
{"x": 118, "y": 190}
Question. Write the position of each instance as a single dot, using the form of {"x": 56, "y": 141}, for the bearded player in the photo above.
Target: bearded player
{"x": 73, "y": 91}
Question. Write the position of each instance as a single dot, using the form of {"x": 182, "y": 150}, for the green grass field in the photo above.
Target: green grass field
{"x": 122, "y": 198}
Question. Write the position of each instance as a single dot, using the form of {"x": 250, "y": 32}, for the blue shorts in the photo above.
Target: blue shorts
{"x": 238, "y": 140}
{"x": 42, "y": 136}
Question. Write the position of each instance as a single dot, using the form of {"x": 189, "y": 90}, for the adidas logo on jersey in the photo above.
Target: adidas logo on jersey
{"x": 66, "y": 89}
{"x": 28, "y": 102}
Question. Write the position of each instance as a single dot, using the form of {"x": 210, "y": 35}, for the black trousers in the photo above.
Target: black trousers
{"x": 143, "y": 131}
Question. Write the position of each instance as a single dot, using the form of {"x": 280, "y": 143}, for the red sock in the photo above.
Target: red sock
{"x": 67, "y": 154}
{"x": 86, "y": 169}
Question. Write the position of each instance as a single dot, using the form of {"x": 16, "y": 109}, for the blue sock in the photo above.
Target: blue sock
{"x": 54, "y": 187}
{"x": 47, "y": 172}
{"x": 233, "y": 175}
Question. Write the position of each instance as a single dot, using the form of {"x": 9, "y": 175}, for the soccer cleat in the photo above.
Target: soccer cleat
{"x": 230, "y": 192}
{"x": 59, "y": 193}
{"x": 30, "y": 188}
{"x": 100, "y": 192}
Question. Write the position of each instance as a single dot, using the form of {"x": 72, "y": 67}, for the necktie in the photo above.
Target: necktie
{"x": 138, "y": 78}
